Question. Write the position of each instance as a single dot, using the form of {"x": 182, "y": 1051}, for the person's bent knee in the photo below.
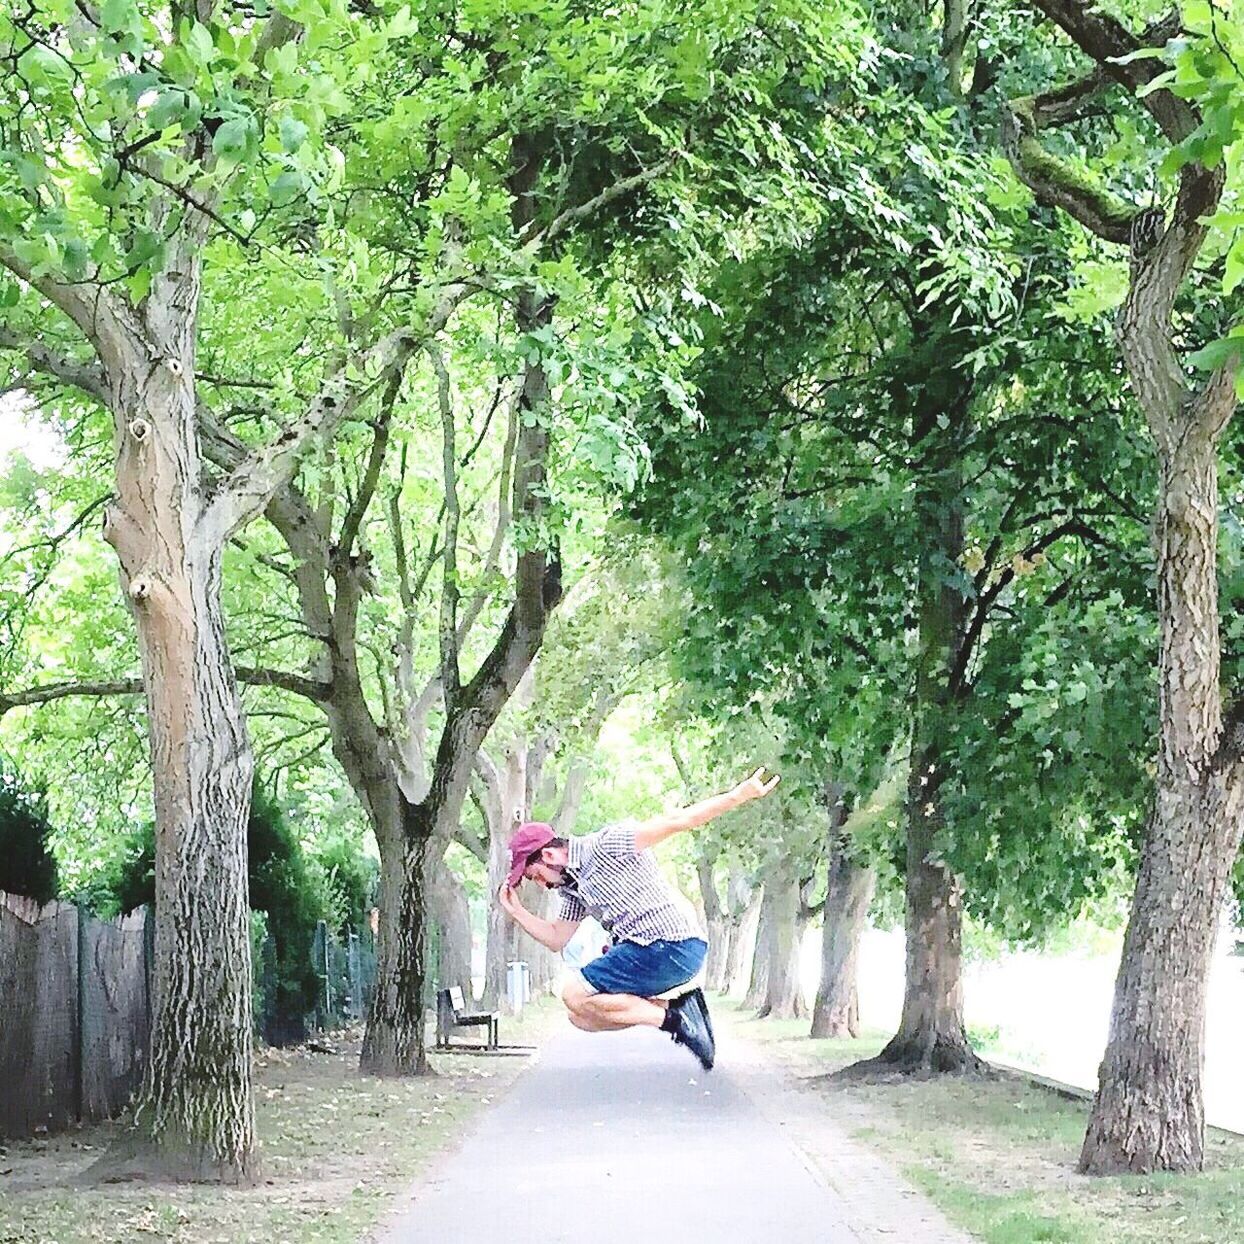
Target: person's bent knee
{"x": 575, "y": 995}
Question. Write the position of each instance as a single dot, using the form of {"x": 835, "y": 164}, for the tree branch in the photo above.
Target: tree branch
{"x": 89, "y": 378}
{"x": 560, "y": 223}
{"x": 987, "y": 599}
{"x": 1057, "y": 182}
{"x": 371, "y": 476}
{"x": 1108, "y": 42}
{"x": 493, "y": 558}
{"x": 100, "y": 314}
{"x": 451, "y": 673}
{"x": 254, "y": 481}
{"x": 63, "y": 690}
{"x": 318, "y": 690}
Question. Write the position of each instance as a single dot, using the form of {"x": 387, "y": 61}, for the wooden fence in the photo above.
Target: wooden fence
{"x": 74, "y": 1013}
{"x": 75, "y": 1007}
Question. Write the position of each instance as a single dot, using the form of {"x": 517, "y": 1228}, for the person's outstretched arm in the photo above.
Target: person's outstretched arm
{"x": 551, "y": 933}
{"x": 649, "y": 833}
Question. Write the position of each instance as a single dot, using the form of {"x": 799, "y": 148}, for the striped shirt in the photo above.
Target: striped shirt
{"x": 622, "y": 889}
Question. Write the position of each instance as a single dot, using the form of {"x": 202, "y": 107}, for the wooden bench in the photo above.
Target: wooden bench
{"x": 451, "y": 1013}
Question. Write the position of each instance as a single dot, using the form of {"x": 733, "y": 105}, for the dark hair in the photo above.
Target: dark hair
{"x": 536, "y": 855}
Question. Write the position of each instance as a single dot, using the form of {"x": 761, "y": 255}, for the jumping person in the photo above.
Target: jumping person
{"x": 613, "y": 876}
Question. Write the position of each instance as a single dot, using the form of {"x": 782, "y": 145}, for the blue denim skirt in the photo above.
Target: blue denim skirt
{"x": 645, "y": 971}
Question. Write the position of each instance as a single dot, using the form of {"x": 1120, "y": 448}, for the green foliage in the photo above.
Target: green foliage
{"x": 861, "y": 391}
{"x": 27, "y": 865}
{"x": 349, "y": 879}
{"x": 281, "y": 887}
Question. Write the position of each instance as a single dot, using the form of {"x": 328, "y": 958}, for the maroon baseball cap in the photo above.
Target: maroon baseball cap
{"x": 528, "y": 837}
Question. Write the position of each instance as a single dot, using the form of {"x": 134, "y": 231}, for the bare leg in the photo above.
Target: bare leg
{"x": 582, "y": 1021}
{"x": 607, "y": 1012}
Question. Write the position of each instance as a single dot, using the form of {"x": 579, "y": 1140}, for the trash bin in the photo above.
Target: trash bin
{"x": 518, "y": 985}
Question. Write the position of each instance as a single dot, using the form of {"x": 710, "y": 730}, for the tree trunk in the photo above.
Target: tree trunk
{"x": 743, "y": 936}
{"x": 715, "y": 921}
{"x": 545, "y": 966}
{"x": 837, "y": 1010}
{"x": 394, "y": 1042}
{"x": 1149, "y": 1112}
{"x": 758, "y": 988}
{"x": 721, "y": 935}
{"x": 572, "y": 797}
{"x": 452, "y": 915}
{"x": 783, "y": 997}
{"x": 196, "y": 1099}
{"x": 505, "y": 806}
{"x": 932, "y": 1035}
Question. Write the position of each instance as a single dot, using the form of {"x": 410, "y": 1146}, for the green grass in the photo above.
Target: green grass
{"x": 336, "y": 1147}
{"x": 998, "y": 1156}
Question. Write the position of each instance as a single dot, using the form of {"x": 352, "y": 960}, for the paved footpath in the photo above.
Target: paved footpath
{"x": 612, "y": 1138}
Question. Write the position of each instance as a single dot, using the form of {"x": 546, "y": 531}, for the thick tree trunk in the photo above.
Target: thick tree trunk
{"x": 743, "y": 936}
{"x": 932, "y": 1035}
{"x": 783, "y": 997}
{"x": 721, "y": 933}
{"x": 847, "y": 898}
{"x": 394, "y": 1043}
{"x": 196, "y": 1101}
{"x": 506, "y": 808}
{"x": 503, "y": 934}
{"x": 452, "y": 915}
{"x": 715, "y": 921}
{"x": 572, "y": 797}
{"x": 1149, "y": 1113}
{"x": 545, "y": 966}
{"x": 762, "y": 952}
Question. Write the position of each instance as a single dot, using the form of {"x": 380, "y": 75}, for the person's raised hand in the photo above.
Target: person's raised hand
{"x": 756, "y": 787}
{"x": 507, "y": 896}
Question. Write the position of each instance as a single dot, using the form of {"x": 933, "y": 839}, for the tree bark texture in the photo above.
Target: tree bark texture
{"x": 762, "y": 953}
{"x": 196, "y": 1101}
{"x": 847, "y": 899}
{"x": 1148, "y": 1113}
{"x": 743, "y": 935}
{"x": 715, "y": 922}
{"x": 393, "y": 1044}
{"x": 451, "y": 914}
{"x": 783, "y": 995}
{"x": 932, "y": 1036}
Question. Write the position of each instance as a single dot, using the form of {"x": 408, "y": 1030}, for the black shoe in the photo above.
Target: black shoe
{"x": 693, "y": 1029}
{"x": 702, "y": 1003}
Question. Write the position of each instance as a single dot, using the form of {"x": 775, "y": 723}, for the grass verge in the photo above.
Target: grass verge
{"x": 998, "y": 1156}
{"x": 336, "y": 1148}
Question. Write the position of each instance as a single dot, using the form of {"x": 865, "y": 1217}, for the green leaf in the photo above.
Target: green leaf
{"x": 293, "y": 133}
{"x": 198, "y": 44}
{"x": 286, "y": 188}
{"x": 401, "y": 24}
{"x": 139, "y": 284}
{"x": 1226, "y": 351}
{"x": 118, "y": 15}
{"x": 283, "y": 59}
{"x": 231, "y": 138}
{"x": 167, "y": 110}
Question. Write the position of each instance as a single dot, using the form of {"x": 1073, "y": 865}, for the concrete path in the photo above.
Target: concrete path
{"x": 618, "y": 1137}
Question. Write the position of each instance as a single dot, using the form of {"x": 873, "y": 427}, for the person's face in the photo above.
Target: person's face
{"x": 550, "y": 871}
